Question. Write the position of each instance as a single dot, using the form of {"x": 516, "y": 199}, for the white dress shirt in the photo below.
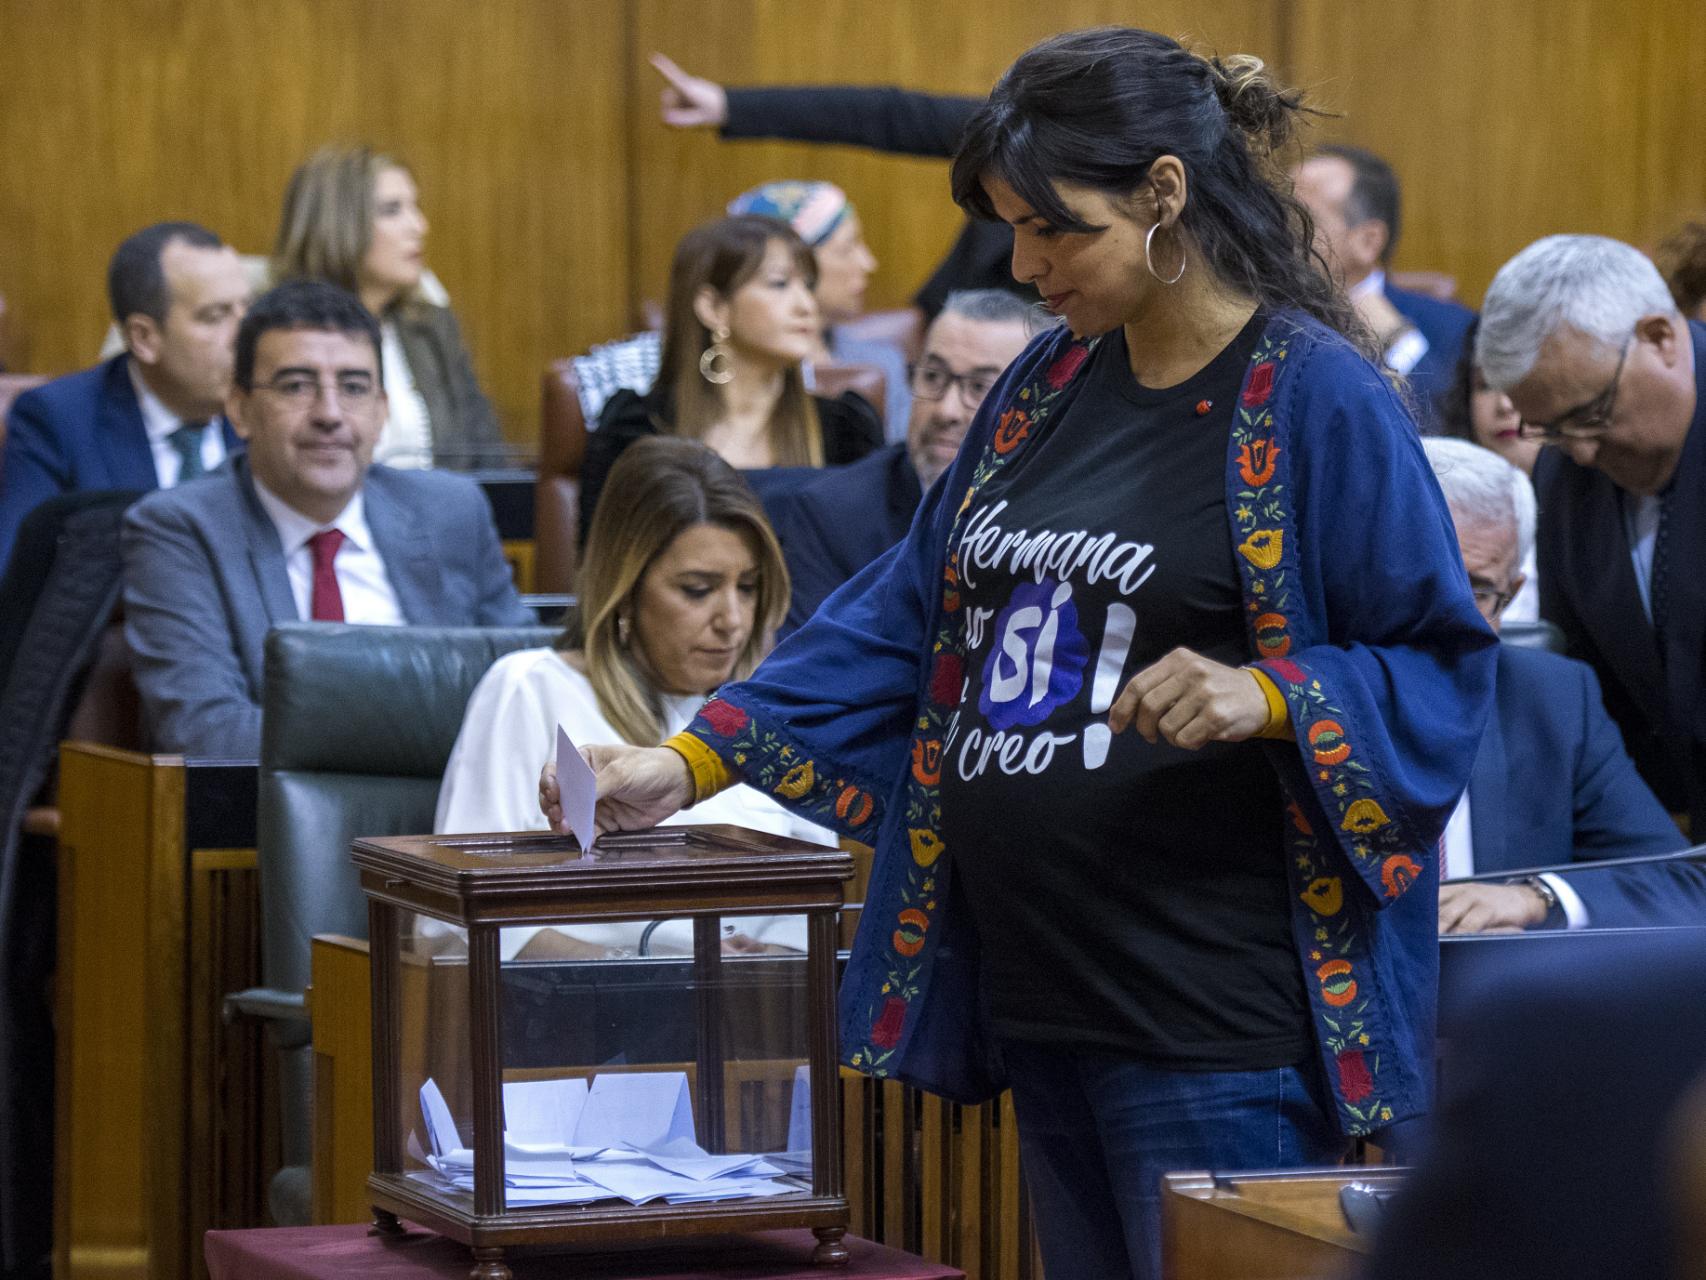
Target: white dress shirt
{"x": 160, "y": 422}
{"x": 491, "y": 783}
{"x": 1409, "y": 346}
{"x": 362, "y": 581}
{"x": 1525, "y": 605}
{"x": 1458, "y": 853}
{"x": 406, "y": 438}
{"x": 1641, "y": 523}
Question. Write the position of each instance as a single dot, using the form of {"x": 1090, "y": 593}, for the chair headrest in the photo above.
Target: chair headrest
{"x": 375, "y": 700}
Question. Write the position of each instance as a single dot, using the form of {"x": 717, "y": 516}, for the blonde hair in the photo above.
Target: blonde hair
{"x": 723, "y": 255}
{"x": 658, "y": 489}
{"x": 326, "y": 224}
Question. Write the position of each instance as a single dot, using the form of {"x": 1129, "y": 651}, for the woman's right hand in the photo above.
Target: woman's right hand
{"x": 638, "y": 787}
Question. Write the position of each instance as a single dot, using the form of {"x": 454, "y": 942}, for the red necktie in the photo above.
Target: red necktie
{"x": 328, "y": 601}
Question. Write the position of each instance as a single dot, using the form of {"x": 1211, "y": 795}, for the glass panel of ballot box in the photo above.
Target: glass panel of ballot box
{"x": 579, "y": 1049}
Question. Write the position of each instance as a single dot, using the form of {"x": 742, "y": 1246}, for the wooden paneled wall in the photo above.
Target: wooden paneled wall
{"x": 955, "y": 47}
{"x": 556, "y": 196}
{"x": 118, "y": 113}
{"x": 1511, "y": 121}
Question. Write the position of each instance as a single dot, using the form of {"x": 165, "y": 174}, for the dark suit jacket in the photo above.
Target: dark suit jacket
{"x": 841, "y": 520}
{"x": 899, "y": 122}
{"x": 1588, "y": 589}
{"x": 1547, "y": 1154}
{"x": 1444, "y": 325}
{"x": 205, "y": 581}
{"x": 1552, "y": 784}
{"x": 465, "y": 431}
{"x": 83, "y": 431}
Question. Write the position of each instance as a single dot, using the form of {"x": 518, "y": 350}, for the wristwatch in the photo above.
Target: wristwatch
{"x": 1548, "y": 895}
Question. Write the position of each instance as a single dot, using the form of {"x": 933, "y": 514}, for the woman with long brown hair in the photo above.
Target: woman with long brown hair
{"x": 740, "y": 319}
{"x": 352, "y": 217}
{"x": 682, "y": 585}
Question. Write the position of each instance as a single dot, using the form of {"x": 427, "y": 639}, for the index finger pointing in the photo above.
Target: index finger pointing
{"x": 669, "y": 71}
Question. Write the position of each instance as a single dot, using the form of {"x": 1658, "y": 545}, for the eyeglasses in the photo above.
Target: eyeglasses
{"x": 931, "y": 381}
{"x": 1585, "y": 421}
{"x": 299, "y": 391}
{"x": 1491, "y": 602}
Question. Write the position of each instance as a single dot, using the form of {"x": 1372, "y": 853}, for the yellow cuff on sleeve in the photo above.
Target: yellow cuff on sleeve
{"x": 1279, "y": 715}
{"x": 710, "y": 774}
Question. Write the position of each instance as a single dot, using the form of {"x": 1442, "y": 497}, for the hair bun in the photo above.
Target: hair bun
{"x": 1254, "y": 102}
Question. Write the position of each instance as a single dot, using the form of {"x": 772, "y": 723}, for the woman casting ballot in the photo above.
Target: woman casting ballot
{"x": 1156, "y": 715}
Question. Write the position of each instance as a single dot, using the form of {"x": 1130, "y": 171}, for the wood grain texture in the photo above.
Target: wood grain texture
{"x": 556, "y": 196}
{"x": 510, "y": 112}
{"x": 1508, "y": 122}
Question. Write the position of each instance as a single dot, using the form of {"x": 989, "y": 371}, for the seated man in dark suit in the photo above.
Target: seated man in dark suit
{"x": 1584, "y": 337}
{"x": 1551, "y": 783}
{"x": 149, "y": 417}
{"x": 1354, "y": 199}
{"x": 841, "y": 519}
{"x": 300, "y": 526}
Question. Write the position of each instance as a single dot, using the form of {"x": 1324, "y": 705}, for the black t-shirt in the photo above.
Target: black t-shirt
{"x": 1129, "y": 896}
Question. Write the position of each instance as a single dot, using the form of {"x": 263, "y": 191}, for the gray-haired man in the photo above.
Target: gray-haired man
{"x": 1552, "y": 784}
{"x": 1582, "y": 334}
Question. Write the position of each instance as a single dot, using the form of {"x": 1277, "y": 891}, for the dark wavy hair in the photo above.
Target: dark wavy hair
{"x": 1096, "y": 108}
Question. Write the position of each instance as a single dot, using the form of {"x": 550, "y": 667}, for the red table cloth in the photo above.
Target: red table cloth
{"x": 345, "y": 1252}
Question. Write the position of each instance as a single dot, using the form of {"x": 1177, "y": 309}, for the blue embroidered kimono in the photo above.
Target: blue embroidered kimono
{"x": 1358, "y": 608}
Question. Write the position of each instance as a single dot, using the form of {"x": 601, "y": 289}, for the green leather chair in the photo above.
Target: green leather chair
{"x": 357, "y": 724}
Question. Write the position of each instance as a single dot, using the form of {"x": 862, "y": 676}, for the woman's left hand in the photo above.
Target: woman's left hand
{"x": 1191, "y": 701}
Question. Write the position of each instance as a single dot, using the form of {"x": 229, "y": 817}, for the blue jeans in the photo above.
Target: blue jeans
{"x": 1097, "y": 1131}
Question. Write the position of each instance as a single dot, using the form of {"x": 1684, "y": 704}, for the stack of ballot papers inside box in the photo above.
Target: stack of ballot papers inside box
{"x": 627, "y": 1136}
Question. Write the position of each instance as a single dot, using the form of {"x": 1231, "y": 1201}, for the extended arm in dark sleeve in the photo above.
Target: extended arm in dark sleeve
{"x": 884, "y": 119}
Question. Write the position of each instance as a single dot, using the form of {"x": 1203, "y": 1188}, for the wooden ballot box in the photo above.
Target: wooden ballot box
{"x": 709, "y": 1119}
{"x": 1263, "y": 1226}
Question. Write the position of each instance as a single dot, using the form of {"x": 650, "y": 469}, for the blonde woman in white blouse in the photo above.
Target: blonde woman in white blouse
{"x": 683, "y": 581}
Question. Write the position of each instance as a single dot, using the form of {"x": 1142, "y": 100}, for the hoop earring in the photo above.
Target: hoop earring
{"x": 714, "y": 363}
{"x": 1149, "y": 262}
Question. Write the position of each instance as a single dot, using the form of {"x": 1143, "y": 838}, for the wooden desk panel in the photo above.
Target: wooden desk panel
{"x": 1264, "y": 1226}
{"x": 166, "y": 1118}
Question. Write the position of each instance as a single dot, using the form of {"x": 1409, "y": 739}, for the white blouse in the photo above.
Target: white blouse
{"x": 491, "y": 783}
{"x": 406, "y": 438}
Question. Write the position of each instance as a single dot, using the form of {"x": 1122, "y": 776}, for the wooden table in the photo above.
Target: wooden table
{"x": 347, "y": 1252}
{"x": 1262, "y": 1226}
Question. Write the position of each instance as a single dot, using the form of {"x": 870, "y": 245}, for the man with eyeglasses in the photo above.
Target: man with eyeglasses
{"x": 838, "y": 522}
{"x": 1583, "y": 335}
{"x": 301, "y": 526}
{"x": 1551, "y": 783}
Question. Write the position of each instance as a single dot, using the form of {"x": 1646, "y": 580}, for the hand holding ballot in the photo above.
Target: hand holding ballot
{"x": 638, "y": 787}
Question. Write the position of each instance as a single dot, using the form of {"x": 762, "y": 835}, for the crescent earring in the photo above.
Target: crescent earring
{"x": 714, "y": 363}
{"x": 1149, "y": 261}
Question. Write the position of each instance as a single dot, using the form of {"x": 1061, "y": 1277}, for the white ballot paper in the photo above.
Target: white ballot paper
{"x": 641, "y": 1110}
{"x": 628, "y": 1136}
{"x": 578, "y": 789}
